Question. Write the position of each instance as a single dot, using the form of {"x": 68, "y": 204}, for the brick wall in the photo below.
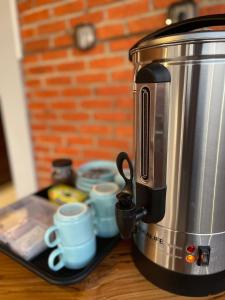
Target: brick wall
{"x": 80, "y": 103}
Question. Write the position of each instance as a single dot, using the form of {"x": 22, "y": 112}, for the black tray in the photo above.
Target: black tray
{"x": 65, "y": 276}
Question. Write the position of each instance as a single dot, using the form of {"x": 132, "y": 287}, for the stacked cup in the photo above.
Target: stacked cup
{"x": 77, "y": 224}
{"x": 103, "y": 201}
{"x": 74, "y": 237}
{"x": 95, "y": 172}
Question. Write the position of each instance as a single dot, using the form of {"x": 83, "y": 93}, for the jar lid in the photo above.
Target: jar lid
{"x": 62, "y": 162}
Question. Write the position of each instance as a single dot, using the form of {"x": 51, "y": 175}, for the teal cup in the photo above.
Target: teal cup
{"x": 73, "y": 225}
{"x": 74, "y": 234}
{"x": 106, "y": 227}
{"x": 103, "y": 200}
{"x": 72, "y": 257}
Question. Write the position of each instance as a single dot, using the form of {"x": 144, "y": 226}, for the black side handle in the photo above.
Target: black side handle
{"x": 126, "y": 194}
{"x": 153, "y": 73}
{"x": 123, "y": 156}
{"x": 184, "y": 27}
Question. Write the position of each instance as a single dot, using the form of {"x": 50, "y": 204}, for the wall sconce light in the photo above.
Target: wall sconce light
{"x": 180, "y": 11}
{"x": 84, "y": 36}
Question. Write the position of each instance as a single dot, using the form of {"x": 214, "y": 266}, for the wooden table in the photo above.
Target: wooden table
{"x": 116, "y": 278}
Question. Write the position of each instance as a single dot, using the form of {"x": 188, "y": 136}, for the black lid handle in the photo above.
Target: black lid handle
{"x": 191, "y": 24}
{"x": 185, "y": 26}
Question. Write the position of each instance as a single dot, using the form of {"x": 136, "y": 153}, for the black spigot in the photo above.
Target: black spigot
{"x": 127, "y": 214}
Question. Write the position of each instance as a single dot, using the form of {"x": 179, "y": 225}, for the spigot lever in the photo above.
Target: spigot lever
{"x": 127, "y": 214}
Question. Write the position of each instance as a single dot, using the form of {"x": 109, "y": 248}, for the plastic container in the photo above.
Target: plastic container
{"x": 23, "y": 224}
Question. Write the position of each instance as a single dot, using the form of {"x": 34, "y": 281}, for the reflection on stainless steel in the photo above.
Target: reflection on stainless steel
{"x": 186, "y": 151}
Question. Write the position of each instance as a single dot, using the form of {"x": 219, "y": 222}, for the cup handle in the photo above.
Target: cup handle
{"x": 51, "y": 260}
{"x": 90, "y": 202}
{"x": 48, "y": 234}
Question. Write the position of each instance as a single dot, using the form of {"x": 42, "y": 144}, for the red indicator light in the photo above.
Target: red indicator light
{"x": 191, "y": 249}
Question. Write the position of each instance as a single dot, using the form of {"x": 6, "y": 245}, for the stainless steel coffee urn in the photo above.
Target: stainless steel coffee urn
{"x": 174, "y": 205}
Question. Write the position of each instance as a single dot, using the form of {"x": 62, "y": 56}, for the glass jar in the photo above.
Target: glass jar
{"x": 63, "y": 172}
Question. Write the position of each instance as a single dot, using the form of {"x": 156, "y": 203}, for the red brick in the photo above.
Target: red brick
{"x": 98, "y": 154}
{"x": 29, "y": 95}
{"x": 29, "y": 59}
{"x": 66, "y": 151}
{"x": 45, "y": 160}
{"x": 212, "y": 9}
{"x": 37, "y": 127}
{"x": 63, "y": 128}
{"x": 36, "y": 45}
{"x": 75, "y": 116}
{"x": 98, "y": 49}
{"x": 24, "y": 6}
{"x": 163, "y": 3}
{"x": 70, "y": 92}
{"x": 125, "y": 131}
{"x": 42, "y": 149}
{"x": 94, "y": 17}
{"x": 124, "y": 103}
{"x": 96, "y": 129}
{"x": 48, "y": 138}
{"x": 33, "y": 83}
{"x": 127, "y": 10}
{"x": 64, "y": 40}
{"x": 109, "y": 31}
{"x": 118, "y": 144}
{"x": 37, "y": 105}
{"x": 113, "y": 90}
{"x": 89, "y": 78}
{"x": 123, "y": 44}
{"x": 51, "y": 55}
{"x": 46, "y": 93}
{"x": 92, "y": 3}
{"x": 51, "y": 27}
{"x": 62, "y": 105}
{"x": 43, "y": 169}
{"x": 79, "y": 162}
{"x": 35, "y": 16}
{"x": 108, "y": 62}
{"x": 40, "y": 69}
{"x": 78, "y": 140}
{"x": 43, "y": 183}
{"x": 28, "y": 33}
{"x": 147, "y": 23}
{"x": 75, "y": 6}
{"x": 123, "y": 75}
{"x": 44, "y": 116}
{"x": 113, "y": 117}
{"x": 95, "y": 104}
{"x": 72, "y": 66}
{"x": 61, "y": 80}
{"x": 43, "y": 2}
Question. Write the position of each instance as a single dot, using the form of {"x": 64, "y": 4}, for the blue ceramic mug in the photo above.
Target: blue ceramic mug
{"x": 74, "y": 235}
{"x": 72, "y": 257}
{"x": 73, "y": 225}
{"x": 103, "y": 200}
